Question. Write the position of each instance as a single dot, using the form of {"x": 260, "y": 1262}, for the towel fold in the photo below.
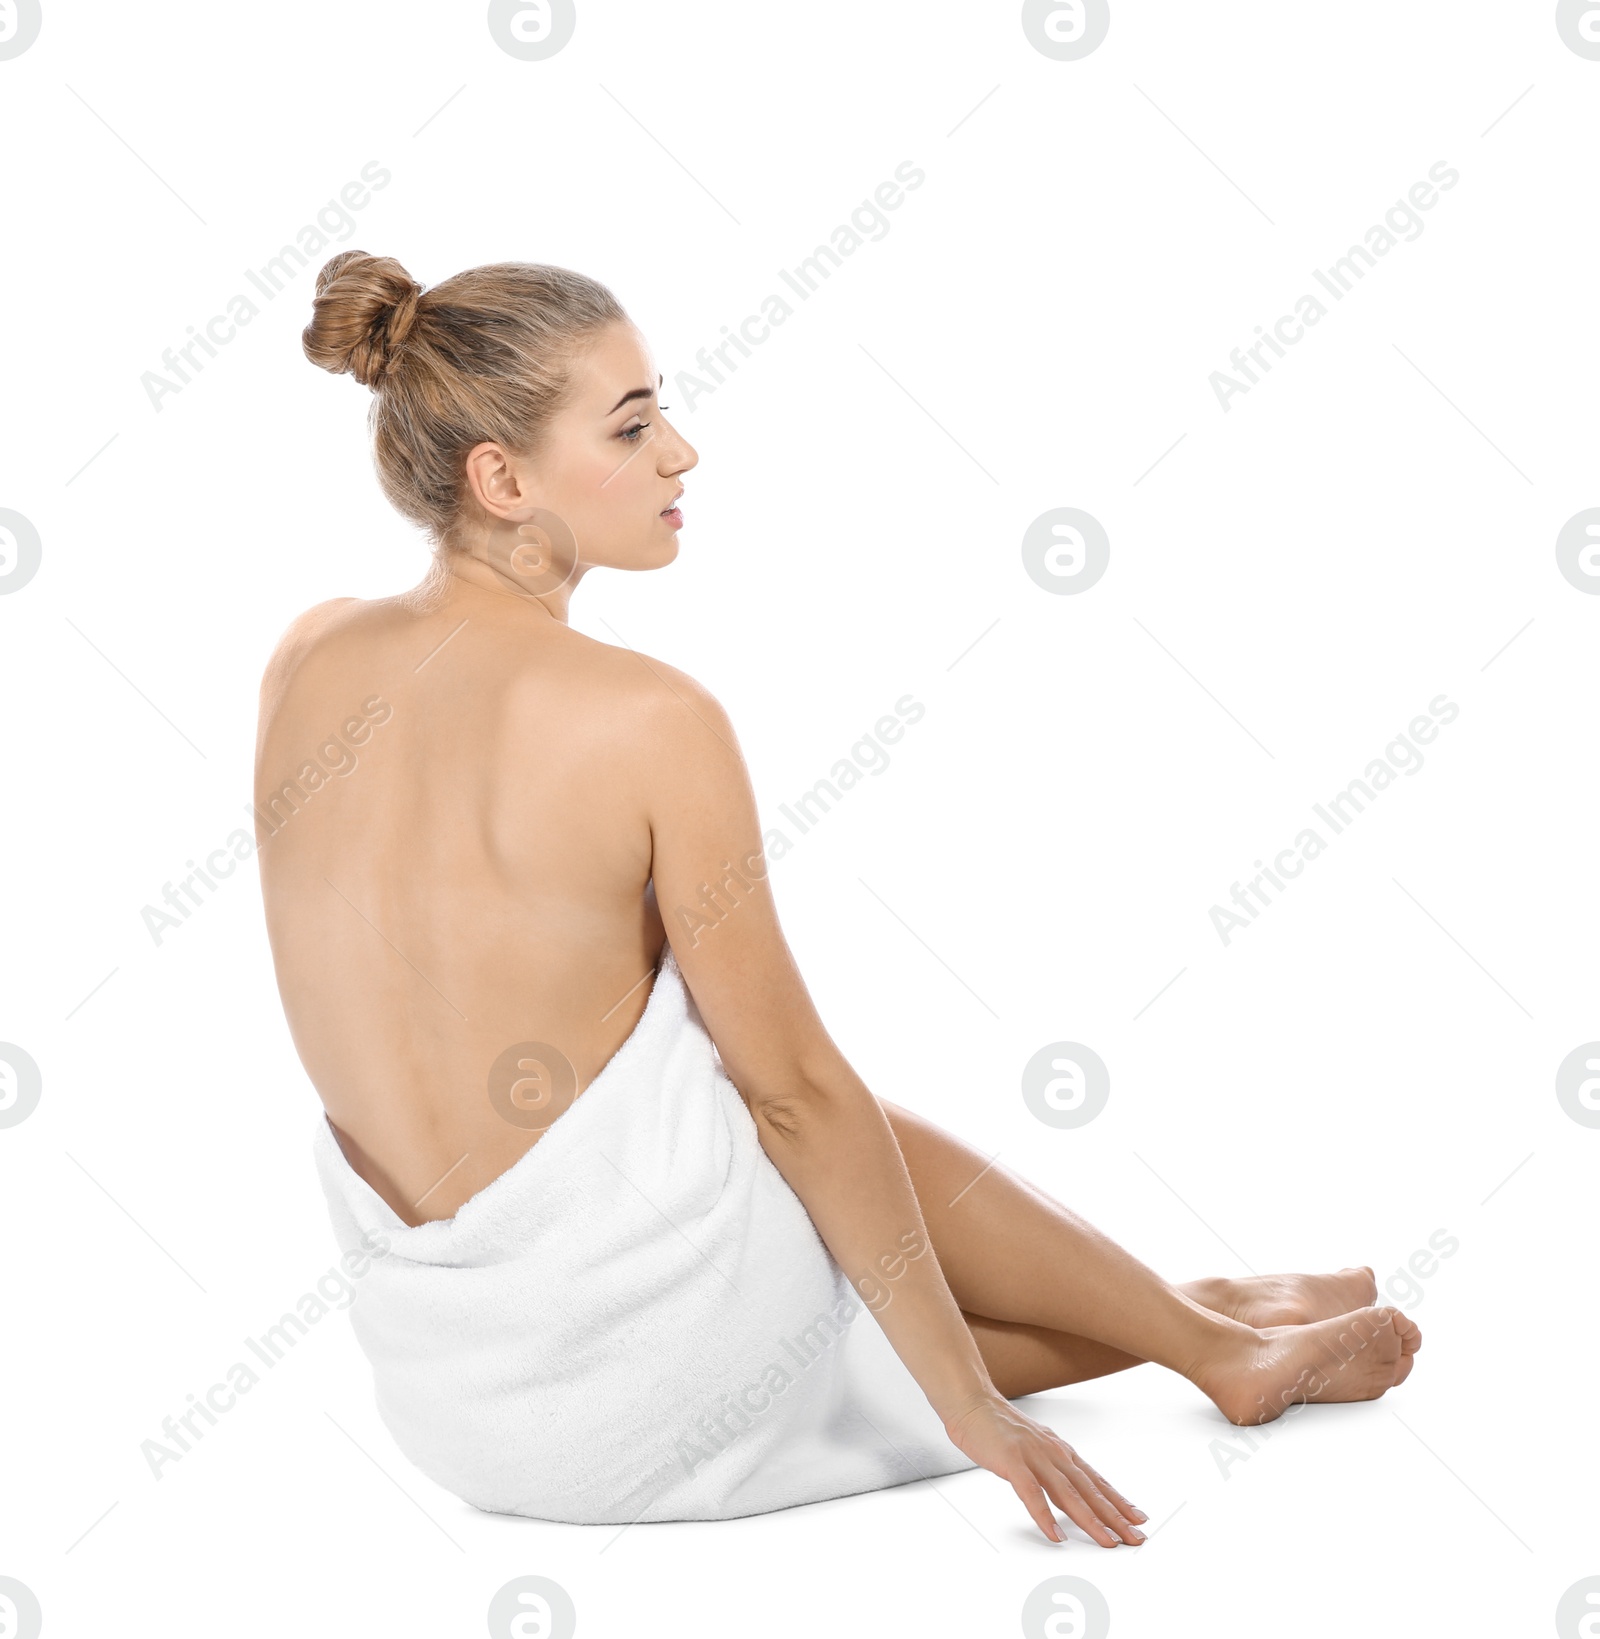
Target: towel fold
{"x": 637, "y": 1320}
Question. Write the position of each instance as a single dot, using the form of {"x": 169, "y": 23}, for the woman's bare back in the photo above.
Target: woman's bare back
{"x": 455, "y": 859}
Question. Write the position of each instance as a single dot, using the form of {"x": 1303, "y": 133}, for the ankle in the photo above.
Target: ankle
{"x": 1217, "y": 1293}
{"x": 1219, "y": 1350}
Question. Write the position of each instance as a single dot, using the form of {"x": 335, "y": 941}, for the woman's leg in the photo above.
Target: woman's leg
{"x": 1052, "y": 1301}
{"x": 1029, "y": 1359}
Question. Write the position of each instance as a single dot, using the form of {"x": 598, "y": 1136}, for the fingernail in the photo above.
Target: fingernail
{"x": 1139, "y": 1514}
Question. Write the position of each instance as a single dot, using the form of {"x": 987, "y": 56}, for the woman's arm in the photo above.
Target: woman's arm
{"x": 818, "y": 1122}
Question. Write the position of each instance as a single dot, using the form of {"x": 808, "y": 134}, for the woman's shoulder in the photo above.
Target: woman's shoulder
{"x": 663, "y": 705}
{"x": 640, "y": 688}
{"x": 326, "y": 639}
{"x": 638, "y": 696}
{"x": 303, "y": 632}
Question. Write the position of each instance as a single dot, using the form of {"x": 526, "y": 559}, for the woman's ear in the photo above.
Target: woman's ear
{"x": 495, "y": 482}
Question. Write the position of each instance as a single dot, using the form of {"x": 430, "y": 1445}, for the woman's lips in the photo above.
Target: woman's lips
{"x": 674, "y": 516}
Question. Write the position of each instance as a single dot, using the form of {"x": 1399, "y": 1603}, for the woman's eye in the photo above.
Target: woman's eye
{"x": 632, "y": 433}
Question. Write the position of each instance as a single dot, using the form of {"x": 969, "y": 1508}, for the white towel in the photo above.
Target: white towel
{"x": 638, "y": 1320}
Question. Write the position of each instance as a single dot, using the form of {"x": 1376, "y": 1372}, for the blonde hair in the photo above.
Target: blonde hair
{"x": 486, "y": 355}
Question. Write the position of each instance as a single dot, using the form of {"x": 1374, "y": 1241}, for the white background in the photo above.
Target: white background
{"x": 1290, "y": 582}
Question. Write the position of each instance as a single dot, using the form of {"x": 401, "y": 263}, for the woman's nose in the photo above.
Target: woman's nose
{"x": 679, "y": 455}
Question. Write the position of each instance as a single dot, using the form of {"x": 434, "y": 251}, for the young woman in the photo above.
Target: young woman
{"x": 599, "y": 1167}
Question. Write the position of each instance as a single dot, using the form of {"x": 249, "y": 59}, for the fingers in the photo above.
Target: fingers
{"x": 1107, "y": 1511}
{"x": 1136, "y": 1514}
{"x": 1069, "y": 1459}
{"x": 1064, "y": 1493}
{"x": 1033, "y": 1500}
{"x": 1043, "y": 1469}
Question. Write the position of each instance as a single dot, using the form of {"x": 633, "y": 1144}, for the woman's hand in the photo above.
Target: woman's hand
{"x": 1040, "y": 1464}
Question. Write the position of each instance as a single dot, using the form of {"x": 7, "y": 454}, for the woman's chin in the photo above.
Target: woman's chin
{"x": 655, "y": 553}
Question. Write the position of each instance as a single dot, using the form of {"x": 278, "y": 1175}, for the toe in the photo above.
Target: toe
{"x": 1378, "y": 1329}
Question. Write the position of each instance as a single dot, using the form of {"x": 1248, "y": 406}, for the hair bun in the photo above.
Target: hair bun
{"x": 362, "y": 313}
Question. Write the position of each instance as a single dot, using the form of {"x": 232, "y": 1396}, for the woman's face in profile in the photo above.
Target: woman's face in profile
{"x": 609, "y": 469}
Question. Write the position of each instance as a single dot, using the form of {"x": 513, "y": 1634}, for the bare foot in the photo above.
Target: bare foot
{"x": 1410, "y": 1341}
{"x": 1355, "y": 1356}
{"x": 1287, "y": 1300}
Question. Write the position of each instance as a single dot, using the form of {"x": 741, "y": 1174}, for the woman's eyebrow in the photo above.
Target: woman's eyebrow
{"x": 638, "y": 392}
